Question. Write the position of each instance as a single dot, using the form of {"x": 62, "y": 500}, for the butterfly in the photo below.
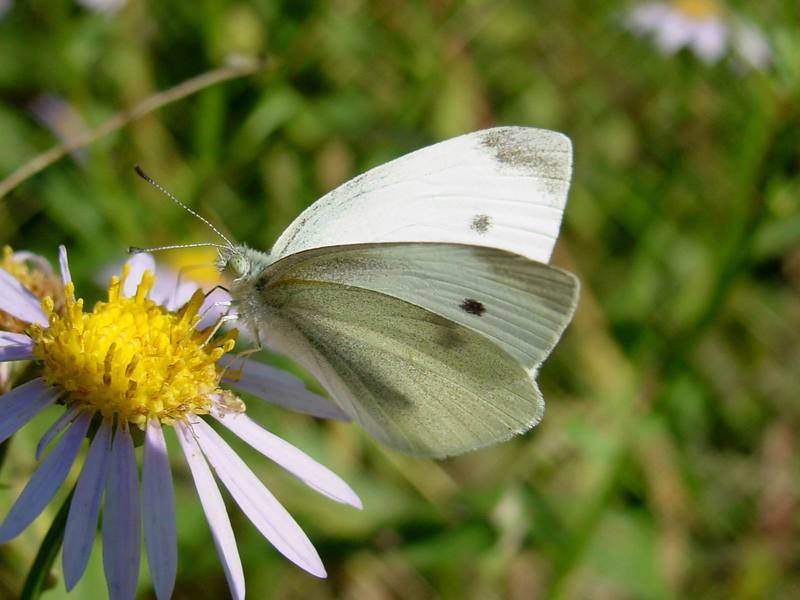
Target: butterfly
{"x": 419, "y": 294}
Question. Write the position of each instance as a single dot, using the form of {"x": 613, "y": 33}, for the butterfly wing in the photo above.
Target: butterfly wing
{"x": 396, "y": 335}
{"x": 504, "y": 187}
{"x": 520, "y": 305}
{"x": 417, "y": 382}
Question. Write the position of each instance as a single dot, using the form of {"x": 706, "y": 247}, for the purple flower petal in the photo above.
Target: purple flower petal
{"x": 61, "y": 119}
{"x": 295, "y": 461}
{"x": 214, "y": 508}
{"x": 710, "y": 40}
{"x": 15, "y": 346}
{"x": 171, "y": 293}
{"x": 45, "y": 481}
{"x": 60, "y": 425}
{"x": 211, "y": 313}
{"x": 40, "y": 262}
{"x": 137, "y": 265}
{"x": 18, "y": 301}
{"x": 673, "y": 33}
{"x": 63, "y": 264}
{"x": 260, "y": 506}
{"x": 158, "y": 512}
{"x": 85, "y": 506}
{"x": 23, "y": 403}
{"x": 121, "y": 530}
{"x": 281, "y": 388}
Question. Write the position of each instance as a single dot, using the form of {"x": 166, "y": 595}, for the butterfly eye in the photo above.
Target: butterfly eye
{"x": 239, "y": 264}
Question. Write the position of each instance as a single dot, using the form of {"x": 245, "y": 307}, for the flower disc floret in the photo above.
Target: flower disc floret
{"x": 698, "y": 9}
{"x": 130, "y": 358}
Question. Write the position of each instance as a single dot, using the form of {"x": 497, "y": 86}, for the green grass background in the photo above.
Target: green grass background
{"x": 667, "y": 462}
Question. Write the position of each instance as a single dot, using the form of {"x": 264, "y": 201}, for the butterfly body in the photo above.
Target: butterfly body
{"x": 418, "y": 294}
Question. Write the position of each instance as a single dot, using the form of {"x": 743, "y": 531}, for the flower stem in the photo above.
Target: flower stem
{"x": 46, "y": 556}
{"x": 122, "y": 118}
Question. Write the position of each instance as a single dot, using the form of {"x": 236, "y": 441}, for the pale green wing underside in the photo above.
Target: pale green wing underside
{"x": 521, "y": 305}
{"x": 416, "y": 381}
{"x": 432, "y": 347}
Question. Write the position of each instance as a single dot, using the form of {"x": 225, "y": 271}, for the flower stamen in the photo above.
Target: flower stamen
{"x": 130, "y": 358}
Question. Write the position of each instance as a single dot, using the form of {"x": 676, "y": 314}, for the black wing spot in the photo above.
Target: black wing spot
{"x": 481, "y": 223}
{"x": 473, "y": 307}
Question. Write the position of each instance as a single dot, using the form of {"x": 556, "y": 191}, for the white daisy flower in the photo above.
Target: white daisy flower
{"x": 130, "y": 362}
{"x": 704, "y": 27}
{"x": 102, "y": 6}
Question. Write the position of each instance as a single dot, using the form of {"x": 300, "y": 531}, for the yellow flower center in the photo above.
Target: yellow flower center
{"x": 131, "y": 358}
{"x": 698, "y": 9}
{"x": 38, "y": 282}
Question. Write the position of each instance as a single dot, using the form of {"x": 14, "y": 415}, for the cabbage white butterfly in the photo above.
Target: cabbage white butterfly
{"x": 419, "y": 293}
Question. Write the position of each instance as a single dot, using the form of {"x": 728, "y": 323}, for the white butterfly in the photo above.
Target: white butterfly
{"x": 419, "y": 293}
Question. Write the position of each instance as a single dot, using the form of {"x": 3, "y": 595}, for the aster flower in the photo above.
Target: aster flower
{"x": 185, "y": 271}
{"x": 131, "y": 363}
{"x": 62, "y": 119}
{"x": 36, "y": 275}
{"x": 102, "y": 6}
{"x": 704, "y": 27}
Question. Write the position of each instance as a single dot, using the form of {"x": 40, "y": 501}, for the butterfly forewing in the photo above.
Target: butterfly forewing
{"x": 504, "y": 187}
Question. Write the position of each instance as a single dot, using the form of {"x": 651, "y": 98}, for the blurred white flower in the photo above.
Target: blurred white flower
{"x": 5, "y": 6}
{"x": 703, "y": 26}
{"x": 102, "y": 6}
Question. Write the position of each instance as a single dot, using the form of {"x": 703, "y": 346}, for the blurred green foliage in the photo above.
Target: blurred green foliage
{"x": 667, "y": 462}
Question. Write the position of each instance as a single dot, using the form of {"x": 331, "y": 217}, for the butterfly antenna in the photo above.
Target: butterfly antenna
{"x": 138, "y": 250}
{"x": 169, "y": 195}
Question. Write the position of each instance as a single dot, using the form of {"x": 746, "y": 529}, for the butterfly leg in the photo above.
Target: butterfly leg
{"x": 243, "y": 357}
{"x": 227, "y": 304}
{"x": 220, "y": 322}
{"x": 215, "y": 288}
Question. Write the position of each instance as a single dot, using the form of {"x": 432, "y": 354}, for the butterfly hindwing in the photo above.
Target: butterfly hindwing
{"x": 416, "y": 381}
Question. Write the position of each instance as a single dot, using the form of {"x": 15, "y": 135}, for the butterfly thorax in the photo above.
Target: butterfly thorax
{"x": 240, "y": 263}
{"x": 243, "y": 265}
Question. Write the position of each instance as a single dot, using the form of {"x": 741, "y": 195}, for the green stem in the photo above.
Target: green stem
{"x": 734, "y": 259}
{"x": 46, "y": 556}
{"x": 755, "y": 166}
{"x": 4, "y": 451}
{"x": 586, "y": 527}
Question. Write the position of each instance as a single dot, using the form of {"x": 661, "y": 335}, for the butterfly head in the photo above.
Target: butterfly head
{"x": 240, "y": 262}
{"x": 231, "y": 261}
